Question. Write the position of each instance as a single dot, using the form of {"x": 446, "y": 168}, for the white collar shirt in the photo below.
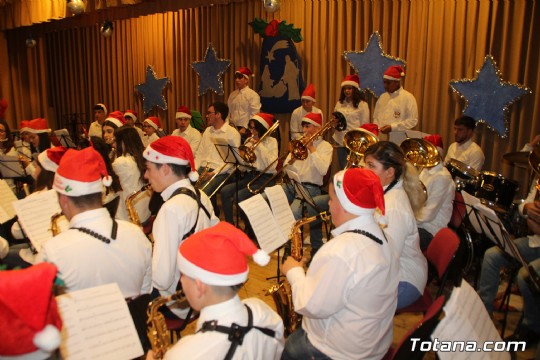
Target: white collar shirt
{"x": 207, "y": 154}
{"x": 192, "y": 136}
{"x": 243, "y": 104}
{"x": 398, "y": 109}
{"x": 468, "y": 153}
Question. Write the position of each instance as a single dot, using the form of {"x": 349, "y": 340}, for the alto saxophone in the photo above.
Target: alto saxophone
{"x": 55, "y": 228}
{"x": 281, "y": 293}
{"x": 130, "y": 206}
{"x": 161, "y": 339}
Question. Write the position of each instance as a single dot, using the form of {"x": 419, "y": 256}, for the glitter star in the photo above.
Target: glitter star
{"x": 152, "y": 90}
{"x": 210, "y": 71}
{"x": 371, "y": 64}
{"x": 487, "y": 97}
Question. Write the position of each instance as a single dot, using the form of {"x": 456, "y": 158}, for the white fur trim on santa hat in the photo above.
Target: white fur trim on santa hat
{"x": 47, "y": 163}
{"x": 350, "y": 83}
{"x": 151, "y": 123}
{"x": 182, "y": 115}
{"x": 305, "y": 97}
{"x": 344, "y": 200}
{"x": 115, "y": 121}
{"x": 195, "y": 272}
{"x": 156, "y": 157}
{"x": 47, "y": 339}
{"x": 308, "y": 120}
{"x": 261, "y": 121}
{"x": 77, "y": 188}
{"x": 104, "y": 108}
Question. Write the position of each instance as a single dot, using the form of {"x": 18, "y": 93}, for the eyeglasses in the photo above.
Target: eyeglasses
{"x": 210, "y": 112}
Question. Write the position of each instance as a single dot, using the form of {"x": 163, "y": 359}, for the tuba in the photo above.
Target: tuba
{"x": 130, "y": 205}
{"x": 281, "y": 293}
{"x": 357, "y": 141}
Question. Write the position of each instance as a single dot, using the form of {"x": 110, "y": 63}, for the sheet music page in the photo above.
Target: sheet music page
{"x": 466, "y": 319}
{"x": 97, "y": 325}
{"x": 263, "y": 223}
{"x": 280, "y": 209}
{"x": 35, "y": 214}
{"x": 7, "y": 197}
{"x": 11, "y": 167}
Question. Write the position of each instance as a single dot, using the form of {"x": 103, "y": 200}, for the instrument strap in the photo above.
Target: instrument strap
{"x": 391, "y": 185}
{"x": 365, "y": 233}
{"x": 235, "y": 332}
{"x": 197, "y": 197}
{"x": 100, "y": 237}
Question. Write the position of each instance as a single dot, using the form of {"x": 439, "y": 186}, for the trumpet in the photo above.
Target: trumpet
{"x": 130, "y": 206}
{"x": 357, "y": 141}
{"x": 248, "y": 153}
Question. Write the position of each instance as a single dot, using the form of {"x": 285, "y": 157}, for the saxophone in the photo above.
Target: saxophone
{"x": 161, "y": 339}
{"x": 281, "y": 292}
{"x": 55, "y": 228}
{"x": 130, "y": 206}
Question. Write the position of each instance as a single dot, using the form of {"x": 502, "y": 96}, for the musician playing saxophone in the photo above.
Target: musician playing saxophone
{"x": 349, "y": 294}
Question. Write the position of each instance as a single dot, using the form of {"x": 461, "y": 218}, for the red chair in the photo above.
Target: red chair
{"x": 440, "y": 254}
{"x": 458, "y": 212}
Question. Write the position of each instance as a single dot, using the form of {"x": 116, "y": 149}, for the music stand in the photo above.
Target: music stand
{"x": 64, "y": 138}
{"x": 11, "y": 168}
{"x": 20, "y": 146}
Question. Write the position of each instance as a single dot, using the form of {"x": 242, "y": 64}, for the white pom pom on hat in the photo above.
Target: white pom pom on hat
{"x": 394, "y": 73}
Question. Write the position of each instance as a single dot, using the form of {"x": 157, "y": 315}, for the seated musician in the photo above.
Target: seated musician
{"x": 464, "y": 149}
{"x": 152, "y": 130}
{"x": 437, "y": 210}
{"x": 348, "y": 295}
{"x": 214, "y": 268}
{"x": 311, "y": 172}
{"x": 185, "y": 130}
{"x": 39, "y": 140}
{"x": 170, "y": 169}
{"x": 96, "y": 250}
{"x": 266, "y": 152}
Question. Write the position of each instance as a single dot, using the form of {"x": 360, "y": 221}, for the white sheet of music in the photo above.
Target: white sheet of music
{"x": 97, "y": 325}
{"x": 466, "y": 319}
{"x": 7, "y": 197}
{"x": 263, "y": 223}
{"x": 35, "y": 214}
{"x": 280, "y": 209}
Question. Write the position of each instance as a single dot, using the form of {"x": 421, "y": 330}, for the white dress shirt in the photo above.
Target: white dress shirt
{"x": 243, "y": 104}
{"x": 207, "y": 154}
{"x": 296, "y": 120}
{"x": 129, "y": 175}
{"x": 397, "y": 109}
{"x": 192, "y": 136}
{"x": 468, "y": 153}
{"x": 313, "y": 169}
{"x": 355, "y": 117}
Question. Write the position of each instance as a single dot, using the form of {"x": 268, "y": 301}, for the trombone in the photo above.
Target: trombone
{"x": 247, "y": 153}
{"x": 357, "y": 141}
{"x": 206, "y": 170}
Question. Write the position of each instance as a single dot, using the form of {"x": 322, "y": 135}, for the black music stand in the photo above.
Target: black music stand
{"x": 64, "y": 138}
{"x": 20, "y": 146}
{"x": 11, "y": 168}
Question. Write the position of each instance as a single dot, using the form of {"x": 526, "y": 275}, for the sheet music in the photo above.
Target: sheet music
{"x": 35, "y": 214}
{"x": 280, "y": 209}
{"x": 263, "y": 223}
{"x": 11, "y": 167}
{"x": 7, "y": 197}
{"x": 97, "y": 325}
{"x": 466, "y": 319}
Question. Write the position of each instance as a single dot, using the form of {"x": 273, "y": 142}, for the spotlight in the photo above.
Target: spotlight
{"x": 30, "y": 41}
{"x": 75, "y": 6}
{"x": 107, "y": 28}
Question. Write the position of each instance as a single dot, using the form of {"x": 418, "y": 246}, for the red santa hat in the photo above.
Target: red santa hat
{"x": 359, "y": 191}
{"x": 373, "y": 128}
{"x": 172, "y": 150}
{"x": 117, "y": 118}
{"x": 309, "y": 93}
{"x": 37, "y": 126}
{"x": 313, "y": 118}
{"x": 436, "y": 140}
{"x": 50, "y": 158}
{"x": 28, "y": 311}
{"x": 3, "y": 107}
{"x": 100, "y": 107}
{"x": 394, "y": 73}
{"x": 351, "y": 80}
{"x": 81, "y": 172}
{"x": 153, "y": 122}
{"x": 264, "y": 119}
{"x": 183, "y": 113}
{"x": 24, "y": 126}
{"x": 131, "y": 113}
{"x": 244, "y": 71}
{"x": 218, "y": 255}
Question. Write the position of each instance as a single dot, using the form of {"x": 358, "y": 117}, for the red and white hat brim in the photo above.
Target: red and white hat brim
{"x": 131, "y": 115}
{"x": 344, "y": 200}
{"x": 115, "y": 121}
{"x": 260, "y": 120}
{"x": 305, "y": 97}
{"x": 70, "y": 187}
{"x": 151, "y": 123}
{"x": 308, "y": 120}
{"x": 244, "y": 75}
{"x": 156, "y": 157}
{"x": 36, "y": 131}
{"x": 195, "y": 272}
{"x": 388, "y": 77}
{"x": 46, "y": 162}
{"x": 182, "y": 115}
{"x": 350, "y": 83}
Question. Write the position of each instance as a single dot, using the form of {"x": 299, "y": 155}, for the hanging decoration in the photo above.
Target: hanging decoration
{"x": 280, "y": 66}
{"x": 371, "y": 64}
{"x": 488, "y": 98}
{"x": 107, "y": 28}
{"x": 211, "y": 71}
{"x": 30, "y": 41}
{"x": 271, "y": 6}
{"x": 152, "y": 90}
{"x": 75, "y": 6}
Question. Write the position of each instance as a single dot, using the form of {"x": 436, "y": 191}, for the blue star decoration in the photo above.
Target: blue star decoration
{"x": 152, "y": 90}
{"x": 488, "y": 98}
{"x": 211, "y": 71}
{"x": 371, "y": 64}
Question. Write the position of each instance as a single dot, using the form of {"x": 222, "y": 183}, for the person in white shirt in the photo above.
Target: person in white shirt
{"x": 192, "y": 136}
{"x": 464, "y": 149}
{"x": 308, "y": 105}
{"x": 396, "y": 109}
{"x": 152, "y": 130}
{"x": 348, "y": 295}
{"x": 227, "y": 328}
{"x": 100, "y": 114}
{"x": 243, "y": 102}
{"x": 130, "y": 116}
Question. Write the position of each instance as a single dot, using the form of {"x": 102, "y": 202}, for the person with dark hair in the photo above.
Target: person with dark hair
{"x": 403, "y": 196}
{"x": 243, "y": 102}
{"x": 100, "y": 114}
{"x": 111, "y": 123}
{"x": 353, "y": 106}
{"x": 38, "y": 137}
{"x": 96, "y": 249}
{"x": 152, "y": 130}
{"x": 185, "y": 130}
{"x": 103, "y": 149}
{"x": 130, "y": 166}
{"x": 464, "y": 149}
{"x": 130, "y": 117}
{"x": 170, "y": 169}
{"x": 308, "y": 105}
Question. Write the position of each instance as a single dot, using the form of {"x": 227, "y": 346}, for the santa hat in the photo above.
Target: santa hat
{"x": 313, "y": 118}
{"x": 80, "y": 173}
{"x": 117, "y": 118}
{"x": 309, "y": 93}
{"x": 3, "y": 107}
{"x": 359, "y": 191}
{"x": 351, "y": 80}
{"x": 244, "y": 71}
{"x": 100, "y": 107}
{"x": 28, "y": 311}
{"x": 436, "y": 140}
{"x": 24, "y": 126}
{"x": 153, "y": 122}
{"x": 50, "y": 158}
{"x": 264, "y": 119}
{"x": 37, "y": 126}
{"x": 183, "y": 113}
{"x": 172, "y": 150}
{"x": 218, "y": 255}
{"x": 394, "y": 73}
{"x": 373, "y": 128}
{"x": 131, "y": 113}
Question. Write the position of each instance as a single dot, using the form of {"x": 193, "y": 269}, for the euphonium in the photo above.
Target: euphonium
{"x": 158, "y": 334}
{"x": 281, "y": 293}
{"x": 130, "y": 206}
{"x": 357, "y": 141}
